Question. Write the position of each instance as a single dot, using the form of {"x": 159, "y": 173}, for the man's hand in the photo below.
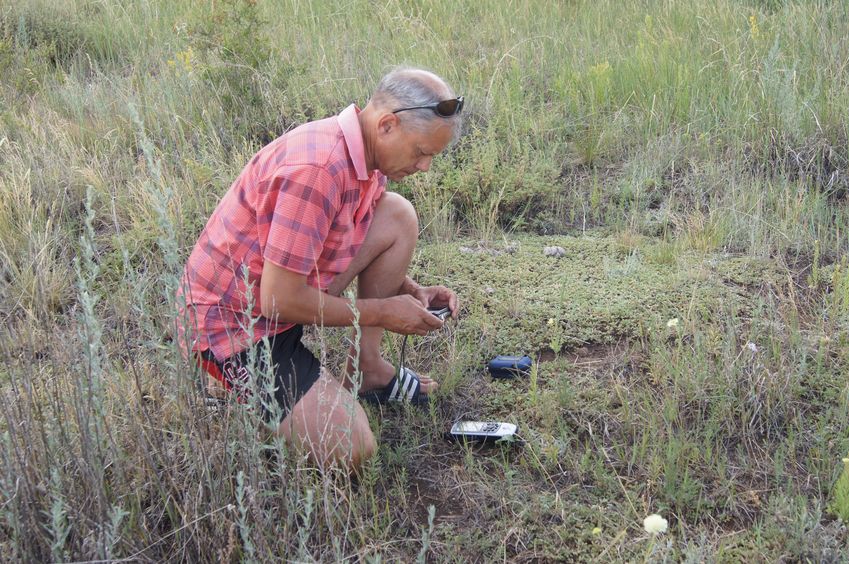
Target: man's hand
{"x": 406, "y": 315}
{"x": 434, "y": 296}
{"x": 286, "y": 297}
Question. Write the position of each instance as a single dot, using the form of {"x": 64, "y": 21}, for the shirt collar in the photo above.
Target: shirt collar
{"x": 350, "y": 126}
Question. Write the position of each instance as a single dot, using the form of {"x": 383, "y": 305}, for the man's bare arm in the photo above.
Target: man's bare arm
{"x": 286, "y": 296}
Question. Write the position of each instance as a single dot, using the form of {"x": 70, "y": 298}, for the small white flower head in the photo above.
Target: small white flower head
{"x": 672, "y": 322}
{"x": 550, "y": 321}
{"x": 655, "y": 524}
{"x": 752, "y": 346}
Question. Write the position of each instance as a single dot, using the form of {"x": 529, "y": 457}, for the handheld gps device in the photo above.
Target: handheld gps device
{"x": 440, "y": 312}
{"x": 481, "y": 431}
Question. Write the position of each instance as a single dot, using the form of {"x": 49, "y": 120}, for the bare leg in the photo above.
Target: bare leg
{"x": 381, "y": 266}
{"x": 330, "y": 426}
{"x": 328, "y": 422}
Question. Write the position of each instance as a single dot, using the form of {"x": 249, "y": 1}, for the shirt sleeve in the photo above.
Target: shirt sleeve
{"x": 307, "y": 200}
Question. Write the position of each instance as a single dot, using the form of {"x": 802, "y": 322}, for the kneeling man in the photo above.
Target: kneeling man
{"x": 307, "y": 215}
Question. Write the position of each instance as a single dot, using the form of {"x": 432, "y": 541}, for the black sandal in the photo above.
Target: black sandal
{"x": 405, "y": 387}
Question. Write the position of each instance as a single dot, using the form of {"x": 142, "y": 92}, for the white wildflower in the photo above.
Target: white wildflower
{"x": 672, "y": 322}
{"x": 654, "y": 524}
{"x": 752, "y": 346}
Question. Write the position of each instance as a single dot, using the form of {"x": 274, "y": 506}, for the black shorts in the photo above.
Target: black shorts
{"x": 294, "y": 369}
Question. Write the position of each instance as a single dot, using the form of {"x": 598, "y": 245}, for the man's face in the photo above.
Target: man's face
{"x": 402, "y": 151}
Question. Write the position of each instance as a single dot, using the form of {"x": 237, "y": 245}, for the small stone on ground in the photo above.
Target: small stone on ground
{"x": 556, "y": 252}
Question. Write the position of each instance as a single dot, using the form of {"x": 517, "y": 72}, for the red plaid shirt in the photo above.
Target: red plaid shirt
{"x": 305, "y": 203}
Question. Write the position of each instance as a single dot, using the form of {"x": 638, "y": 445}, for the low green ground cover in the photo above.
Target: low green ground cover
{"x": 655, "y": 386}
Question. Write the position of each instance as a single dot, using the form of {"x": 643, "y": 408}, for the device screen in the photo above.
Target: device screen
{"x": 476, "y": 427}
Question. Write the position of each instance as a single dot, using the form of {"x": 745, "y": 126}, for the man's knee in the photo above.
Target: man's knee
{"x": 352, "y": 444}
{"x": 330, "y": 426}
{"x": 363, "y": 449}
{"x": 399, "y": 210}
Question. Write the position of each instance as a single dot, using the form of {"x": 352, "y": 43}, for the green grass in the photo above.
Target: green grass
{"x": 691, "y": 157}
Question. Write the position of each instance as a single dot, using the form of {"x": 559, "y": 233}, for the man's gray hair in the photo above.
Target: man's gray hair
{"x": 407, "y": 87}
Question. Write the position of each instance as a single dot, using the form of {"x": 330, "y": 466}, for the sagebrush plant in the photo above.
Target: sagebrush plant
{"x": 691, "y": 157}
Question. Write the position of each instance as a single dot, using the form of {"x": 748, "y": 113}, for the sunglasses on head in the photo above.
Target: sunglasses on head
{"x": 445, "y": 108}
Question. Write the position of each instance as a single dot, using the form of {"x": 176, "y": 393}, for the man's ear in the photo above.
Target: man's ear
{"x": 387, "y": 123}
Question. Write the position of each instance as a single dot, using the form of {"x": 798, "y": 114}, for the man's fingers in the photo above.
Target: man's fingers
{"x": 433, "y": 321}
{"x": 454, "y": 305}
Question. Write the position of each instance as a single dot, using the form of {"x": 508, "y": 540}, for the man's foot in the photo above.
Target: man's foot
{"x": 378, "y": 375}
{"x": 405, "y": 387}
